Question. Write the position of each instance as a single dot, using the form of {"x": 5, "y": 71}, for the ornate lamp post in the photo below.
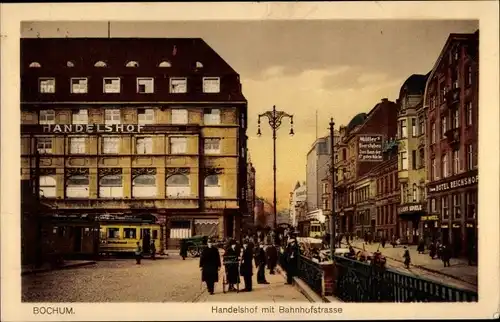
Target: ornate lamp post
{"x": 332, "y": 174}
{"x": 275, "y": 117}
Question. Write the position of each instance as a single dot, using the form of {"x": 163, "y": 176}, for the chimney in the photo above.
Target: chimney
{"x": 384, "y": 100}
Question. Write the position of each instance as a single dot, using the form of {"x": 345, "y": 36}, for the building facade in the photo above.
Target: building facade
{"x": 127, "y": 126}
{"x": 248, "y": 217}
{"x": 411, "y": 164}
{"x": 451, "y": 109}
{"x": 317, "y": 169}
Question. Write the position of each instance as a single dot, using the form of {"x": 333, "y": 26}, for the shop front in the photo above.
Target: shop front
{"x": 429, "y": 228}
{"x": 410, "y": 217}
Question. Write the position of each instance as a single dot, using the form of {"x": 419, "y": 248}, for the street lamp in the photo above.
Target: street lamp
{"x": 332, "y": 170}
{"x": 275, "y": 117}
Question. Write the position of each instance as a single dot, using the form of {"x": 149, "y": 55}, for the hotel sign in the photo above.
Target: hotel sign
{"x": 410, "y": 208}
{"x": 370, "y": 148}
{"x": 92, "y": 128}
{"x": 429, "y": 218}
{"x": 468, "y": 180}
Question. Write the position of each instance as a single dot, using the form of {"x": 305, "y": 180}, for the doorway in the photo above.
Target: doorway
{"x": 457, "y": 241}
{"x": 77, "y": 239}
{"x": 146, "y": 239}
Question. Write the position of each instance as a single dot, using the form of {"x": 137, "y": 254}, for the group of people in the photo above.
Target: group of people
{"x": 239, "y": 260}
{"x": 139, "y": 252}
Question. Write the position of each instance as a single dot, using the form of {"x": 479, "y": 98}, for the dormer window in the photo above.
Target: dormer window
{"x": 178, "y": 85}
{"x": 165, "y": 64}
{"x": 132, "y": 64}
{"x": 35, "y": 64}
{"x": 145, "y": 85}
{"x": 199, "y": 64}
{"x": 70, "y": 64}
{"x": 100, "y": 64}
{"x": 211, "y": 84}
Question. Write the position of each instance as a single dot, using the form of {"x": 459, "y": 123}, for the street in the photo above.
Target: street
{"x": 169, "y": 279}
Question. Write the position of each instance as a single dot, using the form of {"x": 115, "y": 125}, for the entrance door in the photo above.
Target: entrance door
{"x": 457, "y": 241}
{"x": 77, "y": 239}
{"x": 146, "y": 239}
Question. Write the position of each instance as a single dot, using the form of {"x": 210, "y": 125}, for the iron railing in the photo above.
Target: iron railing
{"x": 361, "y": 282}
{"x": 311, "y": 273}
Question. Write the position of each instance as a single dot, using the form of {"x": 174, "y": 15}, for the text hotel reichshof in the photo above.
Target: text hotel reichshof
{"x": 92, "y": 128}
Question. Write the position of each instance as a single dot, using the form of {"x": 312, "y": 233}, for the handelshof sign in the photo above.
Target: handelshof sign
{"x": 457, "y": 183}
{"x": 410, "y": 208}
{"x": 92, "y": 128}
{"x": 370, "y": 148}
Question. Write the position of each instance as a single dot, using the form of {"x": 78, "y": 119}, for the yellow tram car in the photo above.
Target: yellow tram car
{"x": 120, "y": 236}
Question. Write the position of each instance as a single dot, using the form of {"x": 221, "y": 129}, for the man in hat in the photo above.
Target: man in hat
{"x": 231, "y": 260}
{"x": 292, "y": 260}
{"x": 272, "y": 258}
{"x": 246, "y": 269}
{"x": 210, "y": 265}
{"x": 260, "y": 263}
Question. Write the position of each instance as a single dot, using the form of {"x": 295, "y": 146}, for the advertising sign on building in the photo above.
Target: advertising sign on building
{"x": 467, "y": 179}
{"x": 92, "y": 128}
{"x": 370, "y": 148}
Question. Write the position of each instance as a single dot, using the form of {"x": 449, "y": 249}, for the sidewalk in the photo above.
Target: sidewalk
{"x": 459, "y": 268}
{"x": 29, "y": 269}
{"x": 276, "y": 291}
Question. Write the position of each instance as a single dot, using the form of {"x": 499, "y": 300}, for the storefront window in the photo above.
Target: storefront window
{"x": 444, "y": 208}
{"x": 456, "y": 206}
{"x": 433, "y": 205}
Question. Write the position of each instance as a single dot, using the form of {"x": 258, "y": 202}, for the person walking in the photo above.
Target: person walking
{"x": 272, "y": 258}
{"x": 446, "y": 255}
{"x": 432, "y": 250}
{"x": 231, "y": 261}
{"x": 183, "y": 249}
{"x": 246, "y": 268}
{"x": 210, "y": 265}
{"x": 383, "y": 241}
{"x": 152, "y": 248}
{"x": 138, "y": 253}
{"x": 421, "y": 246}
{"x": 260, "y": 263}
{"x": 407, "y": 258}
{"x": 292, "y": 260}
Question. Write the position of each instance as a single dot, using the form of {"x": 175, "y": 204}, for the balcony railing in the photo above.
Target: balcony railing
{"x": 453, "y": 135}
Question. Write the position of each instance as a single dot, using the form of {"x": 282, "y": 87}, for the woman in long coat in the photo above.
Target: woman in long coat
{"x": 210, "y": 265}
{"x": 246, "y": 268}
{"x": 231, "y": 261}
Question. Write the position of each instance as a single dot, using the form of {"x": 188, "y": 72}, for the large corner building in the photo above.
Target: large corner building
{"x": 133, "y": 126}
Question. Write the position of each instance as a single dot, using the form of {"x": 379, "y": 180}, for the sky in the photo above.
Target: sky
{"x": 338, "y": 68}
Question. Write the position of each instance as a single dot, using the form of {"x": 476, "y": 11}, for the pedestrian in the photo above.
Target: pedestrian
{"x": 153, "y": 250}
{"x": 138, "y": 253}
{"x": 382, "y": 241}
{"x": 272, "y": 258}
{"x": 446, "y": 255}
{"x": 421, "y": 246}
{"x": 210, "y": 265}
{"x": 260, "y": 263}
{"x": 407, "y": 257}
{"x": 471, "y": 251}
{"x": 292, "y": 261}
{"x": 183, "y": 249}
{"x": 432, "y": 250}
{"x": 231, "y": 261}
{"x": 246, "y": 268}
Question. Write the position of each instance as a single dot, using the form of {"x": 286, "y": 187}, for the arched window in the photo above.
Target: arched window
{"x": 212, "y": 187}
{"x": 47, "y": 187}
{"x": 100, "y": 64}
{"x": 77, "y": 186}
{"x": 199, "y": 64}
{"x": 178, "y": 186}
{"x": 111, "y": 186}
{"x": 165, "y": 64}
{"x": 132, "y": 64}
{"x": 70, "y": 64}
{"x": 35, "y": 64}
{"x": 414, "y": 192}
{"x": 144, "y": 186}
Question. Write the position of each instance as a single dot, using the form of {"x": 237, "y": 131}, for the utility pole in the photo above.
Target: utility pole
{"x": 332, "y": 174}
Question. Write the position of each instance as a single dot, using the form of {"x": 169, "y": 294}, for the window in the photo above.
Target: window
{"x": 421, "y": 161}
{"x": 403, "y": 130}
{"x": 211, "y": 117}
{"x": 325, "y": 204}
{"x": 144, "y": 186}
{"x": 415, "y": 191}
{"x": 433, "y": 132}
{"x": 132, "y": 64}
{"x": 47, "y": 186}
{"x": 471, "y": 204}
{"x": 47, "y": 85}
{"x": 457, "y": 211}
{"x": 70, "y": 64}
{"x": 421, "y": 126}
{"x": 178, "y": 186}
{"x": 100, "y": 64}
{"x": 79, "y": 85}
{"x": 433, "y": 169}
{"x": 456, "y": 119}
{"x": 414, "y": 127}
{"x": 111, "y": 186}
{"x": 325, "y": 187}
{"x": 145, "y": 85}
{"x": 404, "y": 161}
{"x": 344, "y": 154}
{"x": 433, "y": 205}
{"x": 179, "y": 116}
{"x": 212, "y": 187}
{"x": 180, "y": 229}
{"x": 212, "y": 146}
{"x": 414, "y": 159}
{"x": 165, "y": 64}
{"x": 112, "y": 116}
{"x": 456, "y": 162}
{"x": 211, "y": 85}
{"x": 404, "y": 192}
{"x": 444, "y": 208}
{"x": 77, "y": 186}
{"x": 469, "y": 113}
{"x": 35, "y": 64}
{"x": 145, "y": 116}
{"x": 443, "y": 126}
{"x": 469, "y": 75}
{"x": 470, "y": 157}
{"x": 77, "y": 145}
{"x": 112, "y": 85}
{"x": 80, "y": 117}
{"x": 444, "y": 166}
{"x": 113, "y": 233}
{"x": 47, "y": 117}
{"x": 110, "y": 145}
{"x": 44, "y": 145}
{"x": 178, "y": 145}
{"x": 130, "y": 233}
{"x": 178, "y": 85}
{"x": 442, "y": 97}
{"x": 144, "y": 145}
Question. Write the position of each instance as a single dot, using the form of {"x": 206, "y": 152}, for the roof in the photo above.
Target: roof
{"x": 414, "y": 85}
{"x": 357, "y": 120}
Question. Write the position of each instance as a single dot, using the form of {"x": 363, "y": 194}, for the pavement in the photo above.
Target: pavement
{"x": 29, "y": 269}
{"x": 459, "y": 274}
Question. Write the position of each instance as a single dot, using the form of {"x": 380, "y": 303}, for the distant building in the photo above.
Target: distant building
{"x": 298, "y": 199}
{"x": 248, "y": 217}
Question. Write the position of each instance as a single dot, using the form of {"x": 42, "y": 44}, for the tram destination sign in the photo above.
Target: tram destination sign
{"x": 92, "y": 128}
{"x": 370, "y": 148}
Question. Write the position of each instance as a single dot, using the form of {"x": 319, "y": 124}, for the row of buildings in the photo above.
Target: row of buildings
{"x": 407, "y": 168}
{"x": 120, "y": 126}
